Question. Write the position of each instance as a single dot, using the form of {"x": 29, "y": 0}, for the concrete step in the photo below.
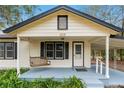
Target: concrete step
{"x": 93, "y": 83}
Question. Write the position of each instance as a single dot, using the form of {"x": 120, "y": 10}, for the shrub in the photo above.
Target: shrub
{"x": 9, "y": 79}
{"x": 73, "y": 82}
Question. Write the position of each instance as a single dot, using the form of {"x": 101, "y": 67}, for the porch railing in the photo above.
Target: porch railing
{"x": 99, "y": 65}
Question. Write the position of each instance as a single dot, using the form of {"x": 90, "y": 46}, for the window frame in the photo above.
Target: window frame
{"x": 6, "y": 50}
{"x": 5, "y": 53}
{"x": 54, "y": 53}
{"x": 60, "y": 58}
{"x": 58, "y": 21}
{"x": 49, "y": 50}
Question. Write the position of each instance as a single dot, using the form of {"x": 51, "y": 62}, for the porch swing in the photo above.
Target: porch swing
{"x": 38, "y": 61}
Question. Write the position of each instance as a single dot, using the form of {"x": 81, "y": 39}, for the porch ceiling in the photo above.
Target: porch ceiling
{"x": 114, "y": 43}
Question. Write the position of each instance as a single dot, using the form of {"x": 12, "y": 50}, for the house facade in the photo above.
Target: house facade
{"x": 63, "y": 35}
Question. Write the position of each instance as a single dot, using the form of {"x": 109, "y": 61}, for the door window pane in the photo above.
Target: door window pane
{"x": 78, "y": 49}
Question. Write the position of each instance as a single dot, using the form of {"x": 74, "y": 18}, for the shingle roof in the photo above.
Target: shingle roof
{"x": 67, "y": 8}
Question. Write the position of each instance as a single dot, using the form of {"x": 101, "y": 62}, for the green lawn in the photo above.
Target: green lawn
{"x": 8, "y": 79}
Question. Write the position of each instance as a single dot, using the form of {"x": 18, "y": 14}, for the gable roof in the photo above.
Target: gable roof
{"x": 67, "y": 8}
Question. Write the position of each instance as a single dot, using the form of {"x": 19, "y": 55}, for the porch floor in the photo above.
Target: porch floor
{"x": 89, "y": 76}
{"x": 59, "y": 73}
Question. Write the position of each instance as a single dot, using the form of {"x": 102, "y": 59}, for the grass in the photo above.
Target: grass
{"x": 9, "y": 79}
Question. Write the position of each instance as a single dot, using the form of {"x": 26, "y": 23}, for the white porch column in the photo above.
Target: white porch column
{"x": 107, "y": 57}
{"x": 18, "y": 56}
{"x": 115, "y": 58}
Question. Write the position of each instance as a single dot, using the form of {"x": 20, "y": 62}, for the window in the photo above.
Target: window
{"x": 55, "y": 50}
{"x": 1, "y": 50}
{"x": 50, "y": 50}
{"x": 58, "y": 50}
{"x": 62, "y": 22}
{"x": 8, "y": 50}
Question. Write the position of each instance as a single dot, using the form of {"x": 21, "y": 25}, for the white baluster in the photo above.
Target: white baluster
{"x": 97, "y": 64}
{"x": 100, "y": 67}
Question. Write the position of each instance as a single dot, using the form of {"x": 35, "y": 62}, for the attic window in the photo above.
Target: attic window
{"x": 62, "y": 22}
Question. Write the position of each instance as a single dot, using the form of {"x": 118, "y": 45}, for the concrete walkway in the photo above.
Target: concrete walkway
{"x": 116, "y": 77}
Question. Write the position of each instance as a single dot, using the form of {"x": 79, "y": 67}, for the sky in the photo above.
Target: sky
{"x": 44, "y": 8}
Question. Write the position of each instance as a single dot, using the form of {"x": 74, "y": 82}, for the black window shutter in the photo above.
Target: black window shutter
{"x": 15, "y": 50}
{"x": 66, "y": 53}
{"x": 42, "y": 50}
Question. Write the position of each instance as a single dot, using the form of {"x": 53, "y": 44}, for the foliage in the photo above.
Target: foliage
{"x": 9, "y": 79}
{"x": 113, "y": 14}
{"x": 72, "y": 82}
{"x": 13, "y": 14}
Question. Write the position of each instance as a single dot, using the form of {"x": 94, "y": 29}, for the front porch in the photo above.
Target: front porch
{"x": 63, "y": 68}
{"x": 33, "y": 48}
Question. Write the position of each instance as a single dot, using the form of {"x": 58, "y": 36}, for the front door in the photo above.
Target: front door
{"x": 78, "y": 54}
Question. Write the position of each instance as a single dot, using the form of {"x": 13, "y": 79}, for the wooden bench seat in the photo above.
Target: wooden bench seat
{"x": 37, "y": 61}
